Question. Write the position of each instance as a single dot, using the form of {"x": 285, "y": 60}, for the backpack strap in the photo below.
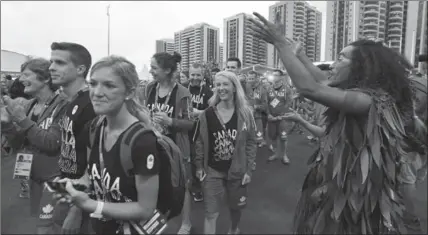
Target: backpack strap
{"x": 93, "y": 127}
{"x": 126, "y": 144}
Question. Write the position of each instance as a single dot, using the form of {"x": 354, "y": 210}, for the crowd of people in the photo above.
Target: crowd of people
{"x": 112, "y": 154}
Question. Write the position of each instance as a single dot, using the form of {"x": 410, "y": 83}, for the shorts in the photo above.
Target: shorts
{"x": 216, "y": 185}
{"x": 280, "y": 129}
{"x": 260, "y": 129}
{"x": 412, "y": 169}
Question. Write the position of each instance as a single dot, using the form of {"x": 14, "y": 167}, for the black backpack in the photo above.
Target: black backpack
{"x": 172, "y": 176}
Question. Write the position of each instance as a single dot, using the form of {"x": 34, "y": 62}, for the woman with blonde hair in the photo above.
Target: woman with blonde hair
{"x": 117, "y": 197}
{"x": 225, "y": 150}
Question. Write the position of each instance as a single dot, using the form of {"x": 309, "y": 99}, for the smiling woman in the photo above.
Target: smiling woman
{"x": 115, "y": 193}
{"x": 32, "y": 127}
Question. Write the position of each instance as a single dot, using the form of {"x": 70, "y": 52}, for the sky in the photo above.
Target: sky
{"x": 30, "y": 27}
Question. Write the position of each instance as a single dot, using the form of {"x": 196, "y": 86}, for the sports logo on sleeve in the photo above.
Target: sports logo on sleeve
{"x": 150, "y": 161}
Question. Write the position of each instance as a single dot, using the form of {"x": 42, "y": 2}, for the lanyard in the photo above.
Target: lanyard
{"x": 167, "y": 96}
{"x": 45, "y": 106}
{"x": 102, "y": 168}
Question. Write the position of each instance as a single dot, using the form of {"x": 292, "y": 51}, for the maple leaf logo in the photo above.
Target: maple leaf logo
{"x": 47, "y": 209}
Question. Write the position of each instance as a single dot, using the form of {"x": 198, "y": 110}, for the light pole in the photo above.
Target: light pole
{"x": 108, "y": 30}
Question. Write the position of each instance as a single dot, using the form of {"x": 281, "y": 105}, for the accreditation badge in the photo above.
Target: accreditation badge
{"x": 23, "y": 166}
{"x": 274, "y": 102}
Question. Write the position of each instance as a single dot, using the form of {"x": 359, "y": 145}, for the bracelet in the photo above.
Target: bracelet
{"x": 98, "y": 210}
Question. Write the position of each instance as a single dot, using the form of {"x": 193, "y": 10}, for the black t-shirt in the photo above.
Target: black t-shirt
{"x": 168, "y": 108}
{"x": 200, "y": 96}
{"x": 78, "y": 113}
{"x": 118, "y": 186}
{"x": 221, "y": 140}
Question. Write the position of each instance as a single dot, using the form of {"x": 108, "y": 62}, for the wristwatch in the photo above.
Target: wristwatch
{"x": 98, "y": 211}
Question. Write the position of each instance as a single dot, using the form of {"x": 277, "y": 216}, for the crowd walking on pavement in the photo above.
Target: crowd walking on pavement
{"x": 111, "y": 154}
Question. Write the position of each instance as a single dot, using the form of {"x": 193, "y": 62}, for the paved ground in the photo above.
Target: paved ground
{"x": 273, "y": 195}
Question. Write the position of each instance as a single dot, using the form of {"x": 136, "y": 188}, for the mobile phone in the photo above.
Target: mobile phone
{"x": 60, "y": 187}
{"x": 56, "y": 187}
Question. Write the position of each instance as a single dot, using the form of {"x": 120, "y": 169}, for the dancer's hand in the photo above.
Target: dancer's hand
{"x": 272, "y": 118}
{"x": 266, "y": 30}
{"x": 295, "y": 45}
{"x": 293, "y": 116}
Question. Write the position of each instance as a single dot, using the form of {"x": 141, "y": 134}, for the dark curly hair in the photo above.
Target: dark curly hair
{"x": 375, "y": 66}
{"x": 167, "y": 61}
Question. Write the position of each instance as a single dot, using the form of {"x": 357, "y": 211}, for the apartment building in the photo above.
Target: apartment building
{"x": 299, "y": 20}
{"x": 390, "y": 21}
{"x": 197, "y": 44}
{"x": 222, "y": 61}
{"x": 416, "y": 32}
{"x": 239, "y": 41}
{"x": 165, "y": 45}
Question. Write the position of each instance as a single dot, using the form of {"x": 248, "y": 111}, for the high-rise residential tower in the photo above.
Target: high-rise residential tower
{"x": 198, "y": 43}
{"x": 299, "y": 20}
{"x": 239, "y": 41}
{"x": 221, "y": 62}
{"x": 165, "y": 45}
{"x": 391, "y": 21}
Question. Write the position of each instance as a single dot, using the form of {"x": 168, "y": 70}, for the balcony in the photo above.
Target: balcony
{"x": 300, "y": 16}
{"x": 371, "y": 17}
{"x": 395, "y": 23}
{"x": 395, "y": 34}
{"x": 395, "y": 29}
{"x": 300, "y": 21}
{"x": 396, "y": 6}
{"x": 396, "y": 17}
{"x": 371, "y": 23}
{"x": 371, "y": 9}
{"x": 370, "y": 30}
{"x": 300, "y": 6}
{"x": 371, "y": 4}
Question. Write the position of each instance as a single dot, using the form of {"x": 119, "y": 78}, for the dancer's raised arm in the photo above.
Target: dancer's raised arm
{"x": 348, "y": 101}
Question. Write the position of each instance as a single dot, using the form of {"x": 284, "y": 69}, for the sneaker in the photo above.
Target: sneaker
{"x": 184, "y": 229}
{"x": 254, "y": 167}
{"x": 237, "y": 231}
{"x": 272, "y": 158}
{"x": 198, "y": 197}
{"x": 24, "y": 195}
{"x": 285, "y": 160}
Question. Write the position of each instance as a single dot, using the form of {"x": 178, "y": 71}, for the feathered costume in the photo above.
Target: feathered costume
{"x": 352, "y": 185}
